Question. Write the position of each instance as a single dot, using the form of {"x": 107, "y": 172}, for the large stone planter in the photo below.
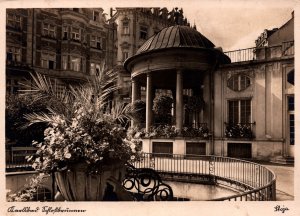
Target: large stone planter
{"x": 77, "y": 185}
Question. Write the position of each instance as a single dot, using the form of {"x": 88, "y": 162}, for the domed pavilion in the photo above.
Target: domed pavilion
{"x": 180, "y": 59}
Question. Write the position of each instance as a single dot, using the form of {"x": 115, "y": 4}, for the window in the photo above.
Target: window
{"x": 65, "y": 32}
{"x": 291, "y": 77}
{"x": 95, "y": 69}
{"x": 238, "y": 82}
{"x": 125, "y": 55}
{"x": 95, "y": 42}
{"x": 75, "y": 63}
{"x": 76, "y": 33}
{"x": 13, "y": 20}
{"x": 48, "y": 60}
{"x": 195, "y": 148}
{"x": 49, "y": 30}
{"x": 239, "y": 111}
{"x": 291, "y": 108}
{"x": 125, "y": 28}
{"x": 96, "y": 16}
{"x": 164, "y": 149}
{"x": 143, "y": 32}
{"x": 239, "y": 150}
{"x": 13, "y": 54}
{"x": 64, "y": 62}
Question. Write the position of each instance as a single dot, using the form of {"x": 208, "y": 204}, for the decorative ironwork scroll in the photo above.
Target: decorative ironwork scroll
{"x": 145, "y": 184}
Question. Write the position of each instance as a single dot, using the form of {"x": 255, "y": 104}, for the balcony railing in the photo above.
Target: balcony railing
{"x": 262, "y": 53}
{"x": 242, "y": 55}
{"x": 239, "y": 130}
{"x": 255, "y": 181}
{"x": 16, "y": 158}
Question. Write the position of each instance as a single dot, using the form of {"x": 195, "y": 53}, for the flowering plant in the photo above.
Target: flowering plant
{"x": 238, "y": 131}
{"x": 87, "y": 131}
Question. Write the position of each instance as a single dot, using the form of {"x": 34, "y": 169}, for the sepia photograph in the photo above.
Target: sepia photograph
{"x": 127, "y": 106}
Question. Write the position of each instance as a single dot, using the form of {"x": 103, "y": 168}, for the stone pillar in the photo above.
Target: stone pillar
{"x": 135, "y": 94}
{"x": 149, "y": 102}
{"x": 174, "y": 104}
{"x": 179, "y": 100}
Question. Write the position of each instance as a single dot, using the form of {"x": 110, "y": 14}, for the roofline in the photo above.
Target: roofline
{"x": 213, "y": 50}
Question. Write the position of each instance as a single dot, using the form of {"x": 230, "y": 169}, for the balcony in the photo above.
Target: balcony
{"x": 286, "y": 49}
{"x": 239, "y": 130}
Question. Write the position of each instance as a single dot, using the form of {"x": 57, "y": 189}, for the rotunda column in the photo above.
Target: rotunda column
{"x": 136, "y": 90}
{"x": 135, "y": 94}
{"x": 179, "y": 100}
{"x": 149, "y": 102}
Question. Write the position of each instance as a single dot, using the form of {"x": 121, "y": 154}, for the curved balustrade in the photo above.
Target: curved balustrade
{"x": 252, "y": 181}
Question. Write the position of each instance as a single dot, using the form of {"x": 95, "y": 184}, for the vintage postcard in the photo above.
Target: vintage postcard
{"x": 150, "y": 108}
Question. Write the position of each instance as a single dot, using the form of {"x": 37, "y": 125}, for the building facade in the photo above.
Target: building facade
{"x": 69, "y": 44}
{"x": 258, "y": 91}
{"x": 248, "y": 103}
{"x": 251, "y": 102}
{"x": 74, "y": 44}
{"x": 134, "y": 26}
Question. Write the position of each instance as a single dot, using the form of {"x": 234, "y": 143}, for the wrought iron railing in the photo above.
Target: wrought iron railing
{"x": 255, "y": 181}
{"x": 16, "y": 158}
{"x": 242, "y": 55}
{"x": 260, "y": 53}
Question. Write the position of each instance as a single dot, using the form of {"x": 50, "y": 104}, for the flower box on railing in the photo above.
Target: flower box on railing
{"x": 239, "y": 130}
{"x": 165, "y": 131}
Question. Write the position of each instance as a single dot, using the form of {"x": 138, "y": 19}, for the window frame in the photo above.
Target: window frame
{"x": 13, "y": 21}
{"x": 143, "y": 32}
{"x": 76, "y": 35}
{"x": 15, "y": 56}
{"x": 65, "y": 32}
{"x": 126, "y": 29}
{"x": 237, "y": 103}
{"x": 48, "y": 31}
{"x": 75, "y": 63}
{"x": 95, "y": 42}
{"x": 291, "y": 112}
{"x": 238, "y": 82}
{"x": 64, "y": 62}
{"x": 125, "y": 55}
{"x": 46, "y": 58}
{"x": 95, "y": 17}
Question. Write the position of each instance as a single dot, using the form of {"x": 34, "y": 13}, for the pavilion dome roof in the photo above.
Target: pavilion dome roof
{"x": 174, "y": 37}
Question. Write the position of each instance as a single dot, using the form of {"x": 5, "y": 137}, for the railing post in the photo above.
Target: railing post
{"x": 212, "y": 169}
{"x": 273, "y": 198}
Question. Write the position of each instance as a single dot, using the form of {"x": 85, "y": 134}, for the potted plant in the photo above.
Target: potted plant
{"x": 85, "y": 145}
